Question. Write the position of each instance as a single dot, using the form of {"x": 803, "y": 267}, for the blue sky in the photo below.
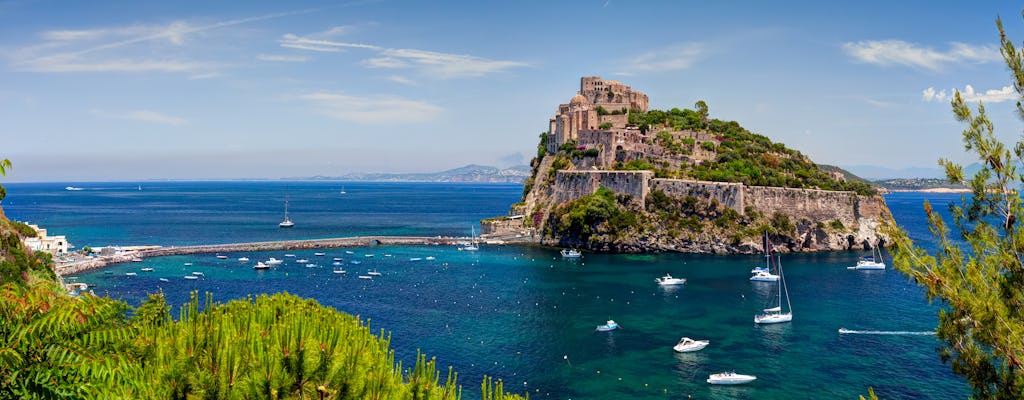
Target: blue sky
{"x": 131, "y": 90}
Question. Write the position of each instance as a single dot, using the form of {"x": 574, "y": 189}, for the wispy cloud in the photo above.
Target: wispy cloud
{"x": 674, "y": 57}
{"x": 375, "y": 109}
{"x": 898, "y": 52}
{"x": 403, "y": 80}
{"x": 881, "y": 103}
{"x": 120, "y": 49}
{"x": 436, "y": 64}
{"x": 968, "y": 94}
{"x": 281, "y": 58}
{"x": 144, "y": 116}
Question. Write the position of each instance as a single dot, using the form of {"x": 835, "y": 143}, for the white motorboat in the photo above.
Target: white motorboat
{"x": 337, "y": 258}
{"x": 429, "y": 258}
{"x": 571, "y": 253}
{"x": 415, "y": 259}
{"x": 302, "y": 261}
{"x": 191, "y": 277}
{"x": 774, "y": 315}
{"x": 349, "y": 252}
{"x": 668, "y": 280}
{"x": 373, "y": 272}
{"x": 147, "y": 269}
{"x": 273, "y": 261}
{"x": 130, "y": 274}
{"x": 260, "y": 265}
{"x": 188, "y": 264}
{"x": 164, "y": 280}
{"x": 319, "y": 254}
{"x": 339, "y": 271}
{"x": 220, "y": 257}
{"x": 290, "y": 255}
{"x": 311, "y": 265}
{"x": 730, "y": 378}
{"x": 287, "y": 223}
{"x": 872, "y": 262}
{"x": 72, "y": 188}
{"x": 196, "y": 273}
{"x": 611, "y": 325}
{"x": 243, "y": 259}
{"x": 687, "y": 345}
{"x": 336, "y": 263}
{"x": 365, "y": 277}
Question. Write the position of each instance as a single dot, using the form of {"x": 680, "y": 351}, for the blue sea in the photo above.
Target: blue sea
{"x": 522, "y": 313}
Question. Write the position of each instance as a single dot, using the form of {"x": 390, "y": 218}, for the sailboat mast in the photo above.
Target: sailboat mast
{"x": 783, "y": 278}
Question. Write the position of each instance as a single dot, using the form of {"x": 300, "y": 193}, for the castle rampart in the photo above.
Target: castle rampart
{"x": 571, "y": 185}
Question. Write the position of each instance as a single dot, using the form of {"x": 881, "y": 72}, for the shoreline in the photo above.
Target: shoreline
{"x": 98, "y": 262}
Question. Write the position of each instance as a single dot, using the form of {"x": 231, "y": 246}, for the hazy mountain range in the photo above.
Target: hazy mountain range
{"x": 469, "y": 173}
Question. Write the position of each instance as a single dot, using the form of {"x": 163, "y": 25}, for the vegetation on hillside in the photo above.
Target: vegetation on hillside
{"x": 980, "y": 285}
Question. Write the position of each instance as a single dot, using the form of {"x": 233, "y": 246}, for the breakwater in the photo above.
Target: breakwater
{"x": 304, "y": 244}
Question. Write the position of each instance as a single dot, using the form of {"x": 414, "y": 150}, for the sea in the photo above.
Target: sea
{"x": 522, "y": 314}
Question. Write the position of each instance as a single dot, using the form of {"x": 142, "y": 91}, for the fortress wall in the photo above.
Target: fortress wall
{"x": 816, "y": 205}
{"x": 726, "y": 193}
{"x": 571, "y": 185}
{"x": 618, "y": 121}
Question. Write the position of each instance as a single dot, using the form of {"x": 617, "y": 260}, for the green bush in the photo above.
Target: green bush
{"x": 605, "y": 126}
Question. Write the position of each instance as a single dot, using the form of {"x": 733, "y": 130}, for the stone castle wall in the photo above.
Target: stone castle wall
{"x": 730, "y": 195}
{"x": 571, "y": 185}
{"x": 815, "y": 205}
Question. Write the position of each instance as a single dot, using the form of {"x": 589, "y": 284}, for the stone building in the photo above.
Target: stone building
{"x": 55, "y": 245}
{"x": 581, "y": 111}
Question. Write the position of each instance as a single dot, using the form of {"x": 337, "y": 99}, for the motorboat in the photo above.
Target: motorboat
{"x": 373, "y": 273}
{"x": 222, "y": 257}
{"x": 365, "y": 277}
{"x": 844, "y": 330}
{"x": 611, "y": 325}
{"x": 72, "y": 188}
{"x": 196, "y": 273}
{"x": 274, "y": 261}
{"x": 339, "y": 271}
{"x": 349, "y": 252}
{"x": 368, "y": 255}
{"x": 164, "y": 280}
{"x": 311, "y": 265}
{"x": 337, "y": 258}
{"x": 260, "y": 265}
{"x": 130, "y": 274}
{"x": 355, "y": 262}
{"x": 188, "y": 264}
{"x": 415, "y": 259}
{"x": 774, "y": 315}
{"x": 147, "y": 269}
{"x": 302, "y": 261}
{"x": 289, "y": 255}
{"x": 319, "y": 254}
{"x": 191, "y": 277}
{"x": 730, "y": 378}
{"x": 243, "y": 259}
{"x": 571, "y": 253}
{"x": 687, "y": 345}
{"x": 429, "y": 258}
{"x": 668, "y": 280}
{"x": 336, "y": 263}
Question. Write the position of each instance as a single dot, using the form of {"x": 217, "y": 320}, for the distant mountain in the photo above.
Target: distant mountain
{"x": 469, "y": 173}
{"x": 873, "y": 172}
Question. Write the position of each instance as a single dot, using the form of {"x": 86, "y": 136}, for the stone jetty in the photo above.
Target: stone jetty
{"x": 305, "y": 244}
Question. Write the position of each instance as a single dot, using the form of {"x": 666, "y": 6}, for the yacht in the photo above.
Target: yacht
{"x": 668, "y": 280}
{"x": 608, "y": 326}
{"x": 287, "y": 223}
{"x": 243, "y": 259}
{"x": 874, "y": 261}
{"x": 472, "y": 245}
{"x": 687, "y": 345}
{"x": 274, "y": 261}
{"x": 730, "y": 378}
{"x": 260, "y": 265}
{"x": 571, "y": 253}
{"x": 764, "y": 274}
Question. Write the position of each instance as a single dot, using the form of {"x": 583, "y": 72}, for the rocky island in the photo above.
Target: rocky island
{"x": 612, "y": 176}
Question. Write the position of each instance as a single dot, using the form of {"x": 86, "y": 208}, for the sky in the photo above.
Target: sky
{"x": 139, "y": 90}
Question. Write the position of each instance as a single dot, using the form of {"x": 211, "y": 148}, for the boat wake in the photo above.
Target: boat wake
{"x": 853, "y": 332}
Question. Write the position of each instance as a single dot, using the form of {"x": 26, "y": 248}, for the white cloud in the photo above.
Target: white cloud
{"x": 898, "y": 52}
{"x": 120, "y": 49}
{"x": 401, "y": 79}
{"x": 1006, "y": 93}
{"x": 436, "y": 64}
{"x": 377, "y": 109}
{"x": 672, "y": 58}
{"x": 281, "y": 58}
{"x": 145, "y": 116}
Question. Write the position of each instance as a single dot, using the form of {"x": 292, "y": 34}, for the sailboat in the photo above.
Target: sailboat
{"x": 764, "y": 274}
{"x": 874, "y": 261}
{"x": 287, "y": 223}
{"x": 472, "y": 246}
{"x": 775, "y": 315}
{"x": 342, "y": 190}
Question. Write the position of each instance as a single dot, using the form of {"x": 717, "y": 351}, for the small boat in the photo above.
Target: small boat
{"x": 289, "y": 255}
{"x": 319, "y": 254}
{"x": 608, "y": 326}
{"x": 349, "y": 252}
{"x": 373, "y": 272}
{"x": 368, "y": 255}
{"x": 687, "y": 345}
{"x": 336, "y": 263}
{"x": 130, "y": 273}
{"x": 287, "y": 223}
{"x": 571, "y": 253}
{"x": 365, "y": 277}
{"x": 844, "y": 330}
{"x": 337, "y": 258}
{"x": 188, "y": 264}
{"x": 429, "y": 258}
{"x": 260, "y": 265}
{"x": 762, "y": 276}
{"x": 243, "y": 259}
{"x": 164, "y": 280}
{"x": 222, "y": 257}
{"x": 472, "y": 245}
{"x": 136, "y": 259}
{"x": 72, "y": 188}
{"x": 339, "y": 271}
{"x": 274, "y": 261}
{"x": 302, "y": 261}
{"x": 668, "y": 280}
{"x": 147, "y": 269}
{"x": 730, "y": 378}
{"x": 342, "y": 190}
{"x": 191, "y": 277}
{"x": 355, "y": 262}
{"x": 387, "y": 255}
{"x": 415, "y": 259}
{"x": 311, "y": 265}
{"x": 197, "y": 273}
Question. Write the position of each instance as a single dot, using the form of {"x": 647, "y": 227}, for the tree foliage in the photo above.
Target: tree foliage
{"x": 981, "y": 284}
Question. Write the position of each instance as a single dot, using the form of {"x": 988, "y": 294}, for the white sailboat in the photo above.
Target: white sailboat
{"x": 287, "y": 223}
{"x": 764, "y": 274}
{"x": 774, "y": 315}
{"x": 874, "y": 261}
{"x": 342, "y": 190}
{"x": 472, "y": 246}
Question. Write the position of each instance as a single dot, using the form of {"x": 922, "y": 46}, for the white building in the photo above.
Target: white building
{"x": 51, "y": 244}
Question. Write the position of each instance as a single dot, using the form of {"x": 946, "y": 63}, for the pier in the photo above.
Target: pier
{"x": 304, "y": 244}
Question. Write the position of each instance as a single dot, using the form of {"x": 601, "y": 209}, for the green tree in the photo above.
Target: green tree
{"x": 5, "y": 165}
{"x": 978, "y": 272}
{"x": 702, "y": 112}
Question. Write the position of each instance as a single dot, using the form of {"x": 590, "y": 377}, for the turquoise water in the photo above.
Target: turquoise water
{"x": 526, "y": 316}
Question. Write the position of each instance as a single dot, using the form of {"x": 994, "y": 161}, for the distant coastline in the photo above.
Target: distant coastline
{"x": 933, "y": 190}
